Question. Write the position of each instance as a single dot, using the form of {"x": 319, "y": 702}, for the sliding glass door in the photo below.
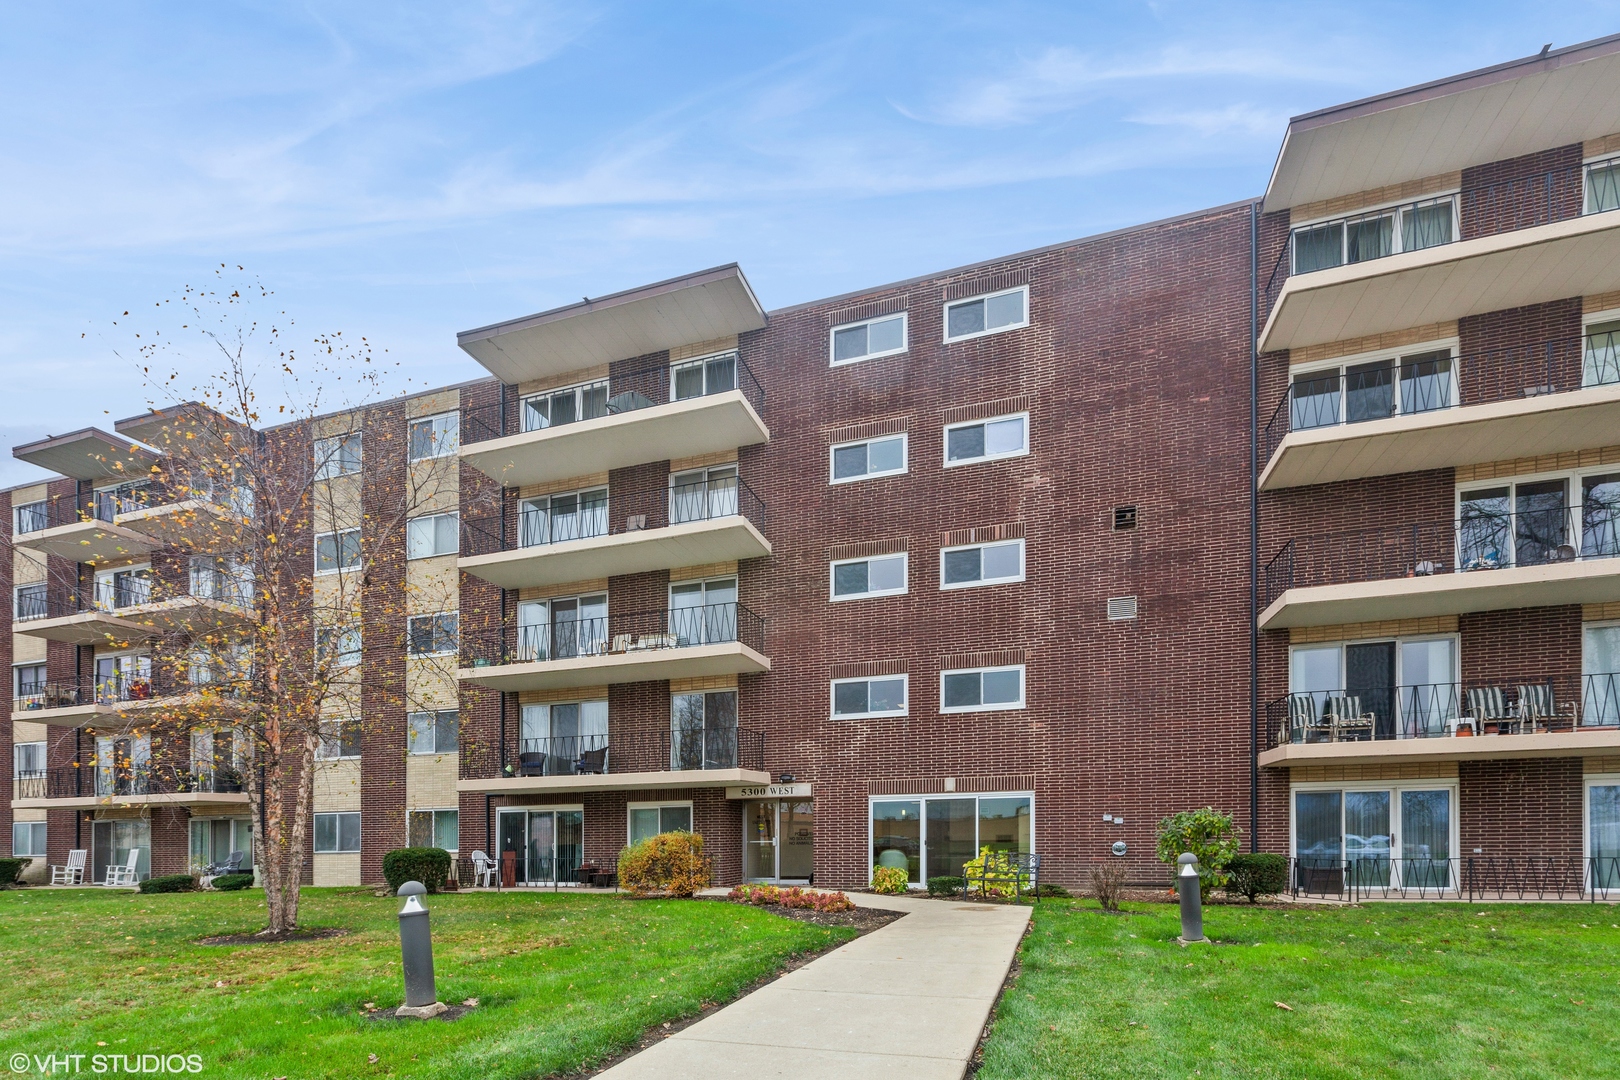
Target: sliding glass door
{"x": 1374, "y": 838}
{"x": 540, "y": 847}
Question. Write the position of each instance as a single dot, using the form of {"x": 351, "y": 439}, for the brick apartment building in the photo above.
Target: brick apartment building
{"x": 1304, "y": 507}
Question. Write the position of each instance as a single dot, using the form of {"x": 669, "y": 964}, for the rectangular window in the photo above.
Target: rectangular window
{"x": 337, "y": 833}
{"x": 708, "y": 375}
{"x": 339, "y": 739}
{"x": 1602, "y": 830}
{"x": 340, "y": 645}
{"x": 29, "y": 601}
{"x": 935, "y": 836}
{"x": 432, "y": 534}
{"x": 1374, "y": 234}
{"x": 553, "y": 519}
{"x": 988, "y": 314}
{"x": 337, "y": 456}
{"x": 568, "y": 405}
{"x": 1600, "y": 674}
{"x": 433, "y": 732}
{"x": 123, "y": 588}
{"x": 28, "y": 758}
{"x": 871, "y": 457}
{"x": 27, "y": 838}
{"x": 703, "y": 730}
{"x": 435, "y": 436}
{"x": 860, "y": 699}
{"x": 32, "y": 517}
{"x": 1602, "y": 186}
{"x": 435, "y": 828}
{"x": 1374, "y": 837}
{"x": 981, "y": 564}
{"x": 986, "y": 440}
{"x": 336, "y": 551}
{"x": 883, "y": 336}
{"x": 982, "y": 690}
{"x": 652, "y": 819}
{"x": 433, "y": 635}
{"x": 29, "y": 685}
{"x": 877, "y": 575}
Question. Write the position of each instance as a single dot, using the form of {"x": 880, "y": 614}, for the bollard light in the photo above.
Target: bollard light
{"x": 416, "y": 955}
{"x": 1192, "y": 902}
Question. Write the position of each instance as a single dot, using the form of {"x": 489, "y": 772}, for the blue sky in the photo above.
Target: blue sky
{"x": 405, "y": 171}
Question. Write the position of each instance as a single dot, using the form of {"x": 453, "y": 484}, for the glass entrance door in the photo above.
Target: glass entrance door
{"x": 540, "y": 847}
{"x": 779, "y": 840}
{"x": 759, "y": 845}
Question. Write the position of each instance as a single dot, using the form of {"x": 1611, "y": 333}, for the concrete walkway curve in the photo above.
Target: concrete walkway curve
{"x": 910, "y": 999}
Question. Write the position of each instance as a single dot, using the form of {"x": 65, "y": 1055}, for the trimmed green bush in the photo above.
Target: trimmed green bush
{"x": 429, "y": 865}
{"x": 232, "y": 882}
{"x": 169, "y": 883}
{"x": 10, "y": 868}
{"x": 1256, "y": 875}
{"x": 1047, "y": 889}
{"x": 945, "y": 886}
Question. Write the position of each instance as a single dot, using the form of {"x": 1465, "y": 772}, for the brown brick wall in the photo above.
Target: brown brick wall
{"x": 1520, "y": 808}
{"x": 1521, "y": 192}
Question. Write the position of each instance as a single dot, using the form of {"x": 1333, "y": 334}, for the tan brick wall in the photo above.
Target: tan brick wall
{"x": 1402, "y": 192}
{"x": 1419, "y": 770}
{"x": 702, "y": 348}
{"x": 430, "y": 782}
{"x": 1575, "y": 459}
{"x": 1603, "y": 144}
{"x": 337, "y": 786}
{"x": 1395, "y": 339}
{"x": 1439, "y": 624}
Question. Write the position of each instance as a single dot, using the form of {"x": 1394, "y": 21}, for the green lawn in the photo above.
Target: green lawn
{"x": 1387, "y": 990}
{"x": 561, "y": 980}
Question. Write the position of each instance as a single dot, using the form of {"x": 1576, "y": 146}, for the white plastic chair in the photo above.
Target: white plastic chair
{"x": 124, "y": 876}
{"x": 483, "y": 869}
{"x": 73, "y": 872}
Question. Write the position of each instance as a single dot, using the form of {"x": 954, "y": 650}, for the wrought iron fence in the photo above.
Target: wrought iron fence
{"x": 616, "y": 634}
{"x": 120, "y": 779}
{"x": 1472, "y": 878}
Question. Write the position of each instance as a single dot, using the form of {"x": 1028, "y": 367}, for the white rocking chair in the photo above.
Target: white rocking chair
{"x": 73, "y": 872}
{"x": 124, "y": 876}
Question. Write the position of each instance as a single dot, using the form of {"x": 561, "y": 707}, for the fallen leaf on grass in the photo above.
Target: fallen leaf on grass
{"x": 1282, "y": 1006}
{"x": 471, "y": 1003}
{"x": 371, "y": 1059}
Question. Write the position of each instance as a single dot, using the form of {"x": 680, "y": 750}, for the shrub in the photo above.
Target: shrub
{"x": 1106, "y": 881}
{"x": 890, "y": 879}
{"x": 232, "y": 882}
{"x": 10, "y": 868}
{"x": 671, "y": 863}
{"x": 794, "y": 897}
{"x": 1047, "y": 889}
{"x": 1208, "y": 834}
{"x": 429, "y": 865}
{"x": 169, "y": 883}
{"x": 945, "y": 886}
{"x": 1256, "y": 875}
{"x": 993, "y": 874}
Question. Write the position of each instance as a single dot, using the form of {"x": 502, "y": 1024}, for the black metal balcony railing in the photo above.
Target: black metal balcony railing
{"x": 1436, "y": 381}
{"x": 1508, "y": 205}
{"x": 123, "y": 780}
{"x": 720, "y": 747}
{"x": 41, "y": 602}
{"x": 616, "y": 634}
{"x": 1436, "y": 710}
{"x": 609, "y": 511}
{"x": 1530, "y": 877}
{"x": 1476, "y": 541}
{"x": 118, "y": 688}
{"x": 656, "y": 384}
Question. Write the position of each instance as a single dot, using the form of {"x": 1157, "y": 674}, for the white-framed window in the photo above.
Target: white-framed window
{"x": 336, "y": 551}
{"x": 874, "y": 696}
{"x": 433, "y": 635}
{"x": 703, "y": 494}
{"x": 868, "y": 458}
{"x": 851, "y": 343}
{"x": 565, "y": 405}
{"x": 875, "y": 575}
{"x": 572, "y": 515}
{"x": 703, "y": 375}
{"x": 337, "y": 455}
{"x": 703, "y": 612}
{"x": 27, "y": 838}
{"x": 1600, "y": 832}
{"x": 651, "y": 819}
{"x": 214, "y": 839}
{"x": 435, "y": 436}
{"x": 1374, "y": 233}
{"x": 1373, "y": 386}
{"x": 337, "y": 833}
{"x": 1600, "y": 674}
{"x": 981, "y": 689}
{"x": 338, "y": 644}
{"x": 1602, "y": 181}
{"x": 29, "y": 685}
{"x": 434, "y": 828}
{"x": 433, "y": 732}
{"x": 1374, "y": 834}
{"x": 29, "y": 601}
{"x": 31, "y": 517}
{"x": 1536, "y": 519}
{"x": 563, "y": 627}
{"x": 1600, "y": 361}
{"x": 990, "y": 313}
{"x": 27, "y": 758}
{"x": 703, "y": 730}
{"x": 971, "y": 565}
{"x": 123, "y": 587}
{"x": 1401, "y": 688}
{"x": 340, "y": 739}
{"x": 987, "y": 440}
{"x": 433, "y": 534}
{"x": 555, "y": 737}
{"x": 935, "y": 835}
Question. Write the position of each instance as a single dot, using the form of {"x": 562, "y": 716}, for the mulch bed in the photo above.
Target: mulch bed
{"x": 863, "y": 919}
{"x": 274, "y": 939}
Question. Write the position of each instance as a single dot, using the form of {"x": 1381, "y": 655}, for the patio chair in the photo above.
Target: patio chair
{"x": 1343, "y": 713}
{"x": 73, "y": 872}
{"x": 592, "y": 762}
{"x": 483, "y": 870}
{"x": 231, "y": 865}
{"x": 1537, "y": 706}
{"x": 1487, "y": 705}
{"x": 1303, "y": 722}
{"x": 531, "y": 764}
{"x": 124, "y": 876}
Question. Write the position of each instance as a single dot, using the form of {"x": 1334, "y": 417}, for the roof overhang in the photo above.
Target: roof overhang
{"x": 1555, "y": 98}
{"x": 696, "y": 307}
{"x": 157, "y": 427}
{"x": 636, "y": 781}
{"x": 91, "y": 454}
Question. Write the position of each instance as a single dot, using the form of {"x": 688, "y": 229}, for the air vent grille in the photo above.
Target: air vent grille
{"x": 1122, "y": 607}
{"x": 1124, "y": 517}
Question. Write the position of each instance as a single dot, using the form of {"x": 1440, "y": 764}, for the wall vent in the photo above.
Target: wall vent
{"x": 1122, "y": 607}
{"x": 1124, "y": 517}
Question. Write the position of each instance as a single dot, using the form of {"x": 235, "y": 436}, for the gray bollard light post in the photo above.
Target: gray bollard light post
{"x": 416, "y": 954}
{"x": 1192, "y": 902}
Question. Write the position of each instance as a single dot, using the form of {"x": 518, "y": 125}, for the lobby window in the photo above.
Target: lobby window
{"x": 987, "y": 314}
{"x": 337, "y": 456}
{"x": 876, "y": 575}
{"x": 432, "y": 534}
{"x": 435, "y": 828}
{"x": 868, "y": 458}
{"x": 433, "y": 732}
{"x": 934, "y": 836}
{"x": 981, "y": 564}
{"x": 883, "y": 336}
{"x": 652, "y": 819}
{"x": 435, "y": 436}
{"x": 987, "y": 440}
{"x": 337, "y": 833}
{"x": 982, "y": 690}
{"x": 860, "y": 699}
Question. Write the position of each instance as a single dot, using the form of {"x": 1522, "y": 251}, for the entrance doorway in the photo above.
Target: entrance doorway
{"x": 540, "y": 847}
{"x": 779, "y": 840}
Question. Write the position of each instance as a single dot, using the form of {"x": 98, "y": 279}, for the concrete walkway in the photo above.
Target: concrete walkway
{"x": 910, "y": 999}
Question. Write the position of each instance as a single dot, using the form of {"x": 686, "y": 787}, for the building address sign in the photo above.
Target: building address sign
{"x": 769, "y": 791}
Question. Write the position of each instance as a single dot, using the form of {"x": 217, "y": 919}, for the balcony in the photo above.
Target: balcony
{"x": 1482, "y": 561}
{"x": 654, "y": 414}
{"x": 1547, "y": 717}
{"x": 90, "y": 786}
{"x": 603, "y": 533}
{"x": 1436, "y": 411}
{"x": 79, "y": 704}
{"x": 134, "y": 612}
{"x": 579, "y": 763}
{"x": 84, "y": 535}
{"x": 677, "y": 643}
{"x": 1520, "y": 242}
